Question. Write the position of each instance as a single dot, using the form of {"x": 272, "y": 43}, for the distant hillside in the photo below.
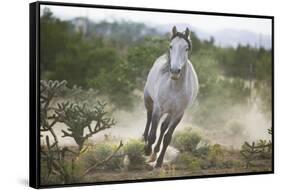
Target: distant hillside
{"x": 230, "y": 37}
{"x": 132, "y": 32}
{"x": 126, "y": 31}
{"x": 227, "y": 37}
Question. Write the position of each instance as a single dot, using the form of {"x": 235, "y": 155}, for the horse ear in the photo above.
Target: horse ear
{"x": 187, "y": 33}
{"x": 174, "y": 31}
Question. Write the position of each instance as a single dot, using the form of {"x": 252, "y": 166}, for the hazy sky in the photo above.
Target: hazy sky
{"x": 204, "y": 22}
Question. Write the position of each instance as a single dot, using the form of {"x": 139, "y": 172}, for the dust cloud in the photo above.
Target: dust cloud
{"x": 245, "y": 123}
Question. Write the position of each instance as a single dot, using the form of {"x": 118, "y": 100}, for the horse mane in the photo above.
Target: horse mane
{"x": 166, "y": 65}
{"x": 186, "y": 38}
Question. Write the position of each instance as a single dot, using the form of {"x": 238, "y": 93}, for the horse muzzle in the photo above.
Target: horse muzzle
{"x": 175, "y": 74}
{"x": 175, "y": 77}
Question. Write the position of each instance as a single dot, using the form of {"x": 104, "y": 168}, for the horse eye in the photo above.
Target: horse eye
{"x": 170, "y": 46}
{"x": 186, "y": 49}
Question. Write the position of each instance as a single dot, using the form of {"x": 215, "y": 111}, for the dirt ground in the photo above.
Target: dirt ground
{"x": 161, "y": 173}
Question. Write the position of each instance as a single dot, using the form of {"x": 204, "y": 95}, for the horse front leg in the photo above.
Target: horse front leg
{"x": 164, "y": 127}
{"x": 166, "y": 141}
{"x": 152, "y": 132}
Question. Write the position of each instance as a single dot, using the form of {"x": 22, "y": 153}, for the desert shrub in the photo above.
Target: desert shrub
{"x": 134, "y": 150}
{"x": 46, "y": 179}
{"x": 256, "y": 151}
{"x": 195, "y": 165}
{"x": 101, "y": 152}
{"x": 186, "y": 141}
{"x": 72, "y": 172}
{"x": 183, "y": 160}
{"x": 75, "y": 170}
{"x": 215, "y": 155}
{"x": 187, "y": 161}
{"x": 202, "y": 152}
{"x": 232, "y": 164}
{"x": 44, "y": 172}
{"x": 205, "y": 163}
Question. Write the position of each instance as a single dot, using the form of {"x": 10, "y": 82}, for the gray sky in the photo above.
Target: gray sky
{"x": 204, "y": 22}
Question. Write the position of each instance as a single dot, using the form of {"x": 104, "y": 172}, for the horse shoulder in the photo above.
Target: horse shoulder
{"x": 192, "y": 84}
{"x": 155, "y": 74}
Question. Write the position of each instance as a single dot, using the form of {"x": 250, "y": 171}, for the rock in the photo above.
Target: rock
{"x": 171, "y": 154}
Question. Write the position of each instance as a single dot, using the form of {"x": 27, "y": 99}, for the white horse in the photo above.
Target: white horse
{"x": 171, "y": 87}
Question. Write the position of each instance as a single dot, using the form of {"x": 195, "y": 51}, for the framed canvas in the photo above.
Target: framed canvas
{"x": 126, "y": 94}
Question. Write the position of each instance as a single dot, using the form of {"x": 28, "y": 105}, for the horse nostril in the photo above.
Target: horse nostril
{"x": 175, "y": 71}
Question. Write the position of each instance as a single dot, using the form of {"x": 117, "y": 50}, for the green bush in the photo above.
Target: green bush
{"x": 232, "y": 164}
{"x": 134, "y": 150}
{"x": 195, "y": 165}
{"x": 202, "y": 152}
{"x": 186, "y": 141}
{"x": 188, "y": 161}
{"x": 215, "y": 155}
{"x": 73, "y": 172}
{"x": 183, "y": 160}
{"x": 100, "y": 152}
{"x": 205, "y": 163}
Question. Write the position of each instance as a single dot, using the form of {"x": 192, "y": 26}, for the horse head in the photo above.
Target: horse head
{"x": 179, "y": 51}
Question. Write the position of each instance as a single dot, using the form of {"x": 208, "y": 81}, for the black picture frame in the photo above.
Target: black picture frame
{"x": 34, "y": 82}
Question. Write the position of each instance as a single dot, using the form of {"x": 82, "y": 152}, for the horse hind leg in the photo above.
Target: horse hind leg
{"x": 152, "y": 133}
{"x": 148, "y": 122}
{"x": 164, "y": 127}
{"x": 148, "y": 105}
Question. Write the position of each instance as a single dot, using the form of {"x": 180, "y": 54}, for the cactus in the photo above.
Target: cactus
{"x": 254, "y": 151}
{"x": 77, "y": 118}
{"x": 49, "y": 90}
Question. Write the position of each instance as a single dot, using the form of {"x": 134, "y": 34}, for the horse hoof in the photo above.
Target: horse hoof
{"x": 152, "y": 158}
{"x": 158, "y": 165}
{"x": 147, "y": 150}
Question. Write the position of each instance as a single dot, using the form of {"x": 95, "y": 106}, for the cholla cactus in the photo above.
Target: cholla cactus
{"x": 79, "y": 117}
{"x": 254, "y": 151}
{"x": 49, "y": 90}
